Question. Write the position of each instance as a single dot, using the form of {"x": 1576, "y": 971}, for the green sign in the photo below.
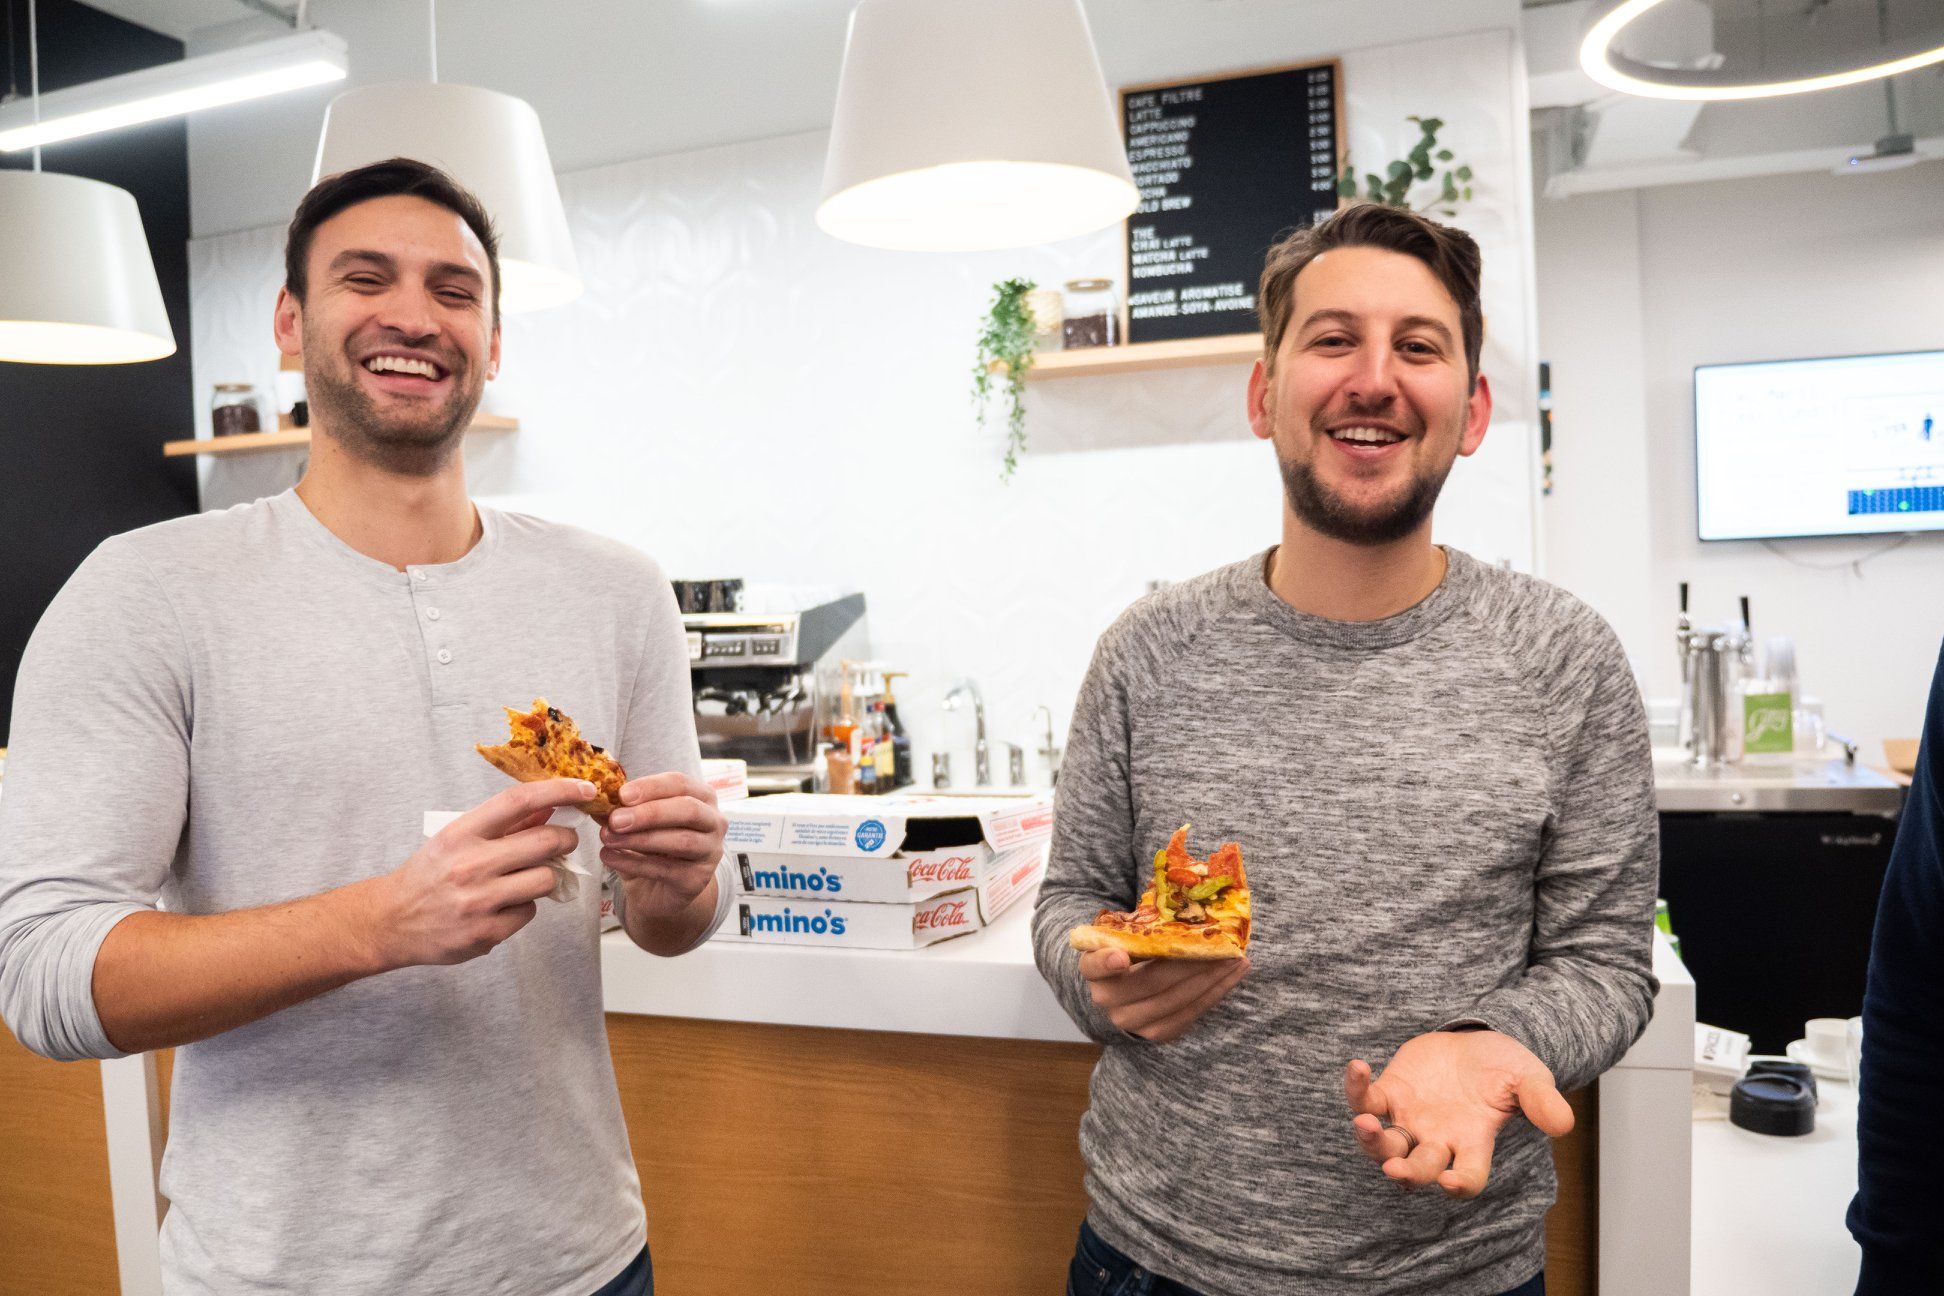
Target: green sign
{"x": 1767, "y": 723}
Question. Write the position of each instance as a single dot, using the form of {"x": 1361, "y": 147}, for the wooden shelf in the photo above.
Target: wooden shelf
{"x": 249, "y": 441}
{"x": 1137, "y": 356}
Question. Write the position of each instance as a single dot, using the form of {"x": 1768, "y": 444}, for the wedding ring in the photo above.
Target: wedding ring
{"x": 1410, "y": 1139}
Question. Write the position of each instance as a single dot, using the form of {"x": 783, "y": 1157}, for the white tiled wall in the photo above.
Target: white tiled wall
{"x": 739, "y": 394}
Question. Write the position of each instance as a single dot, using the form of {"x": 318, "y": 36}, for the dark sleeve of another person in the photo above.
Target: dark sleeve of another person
{"x": 1898, "y": 1214}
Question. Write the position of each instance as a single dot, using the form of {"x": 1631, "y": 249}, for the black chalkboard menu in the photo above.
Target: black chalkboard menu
{"x": 1224, "y": 165}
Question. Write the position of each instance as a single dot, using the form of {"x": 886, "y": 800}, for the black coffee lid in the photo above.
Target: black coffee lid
{"x": 1785, "y": 1067}
{"x": 1772, "y": 1104}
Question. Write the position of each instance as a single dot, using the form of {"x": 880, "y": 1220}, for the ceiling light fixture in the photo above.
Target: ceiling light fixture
{"x": 489, "y": 142}
{"x": 171, "y": 89}
{"x": 968, "y": 125}
{"x": 1616, "y": 71}
{"x": 77, "y": 284}
{"x": 1895, "y": 149}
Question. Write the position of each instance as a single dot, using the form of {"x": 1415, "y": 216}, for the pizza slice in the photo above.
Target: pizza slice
{"x": 1194, "y": 909}
{"x": 547, "y": 745}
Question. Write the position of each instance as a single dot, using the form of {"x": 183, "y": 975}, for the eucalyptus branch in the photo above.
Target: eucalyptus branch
{"x": 1393, "y": 188}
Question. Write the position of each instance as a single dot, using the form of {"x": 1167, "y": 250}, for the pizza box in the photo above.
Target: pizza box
{"x": 730, "y": 781}
{"x": 895, "y": 879}
{"x": 872, "y": 827}
{"x": 865, "y": 924}
{"x": 728, "y": 778}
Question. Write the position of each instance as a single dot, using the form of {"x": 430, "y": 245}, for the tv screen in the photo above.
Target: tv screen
{"x": 1849, "y": 445}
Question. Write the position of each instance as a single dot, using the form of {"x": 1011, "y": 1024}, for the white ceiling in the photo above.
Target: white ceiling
{"x": 614, "y": 80}
{"x": 621, "y": 79}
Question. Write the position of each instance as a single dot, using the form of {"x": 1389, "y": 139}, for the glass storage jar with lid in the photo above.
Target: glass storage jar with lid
{"x": 233, "y": 409}
{"x": 1092, "y": 314}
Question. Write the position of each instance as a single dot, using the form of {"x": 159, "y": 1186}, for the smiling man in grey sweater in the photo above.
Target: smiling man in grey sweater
{"x": 1439, "y": 776}
{"x": 392, "y": 1072}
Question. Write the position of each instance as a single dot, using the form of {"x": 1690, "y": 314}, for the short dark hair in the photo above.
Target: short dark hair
{"x": 1451, "y": 254}
{"x": 391, "y": 178}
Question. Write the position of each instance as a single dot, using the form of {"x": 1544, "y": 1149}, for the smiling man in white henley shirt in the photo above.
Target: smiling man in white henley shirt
{"x": 391, "y": 1071}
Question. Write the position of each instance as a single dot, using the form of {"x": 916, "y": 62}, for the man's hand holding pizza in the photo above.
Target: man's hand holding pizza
{"x": 664, "y": 843}
{"x": 1157, "y": 999}
{"x": 1434, "y": 1115}
{"x": 474, "y": 883}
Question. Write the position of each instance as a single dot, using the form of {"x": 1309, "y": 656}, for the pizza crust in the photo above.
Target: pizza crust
{"x": 1154, "y": 945}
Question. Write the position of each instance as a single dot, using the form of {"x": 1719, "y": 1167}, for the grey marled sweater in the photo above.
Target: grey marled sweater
{"x": 1447, "y": 816}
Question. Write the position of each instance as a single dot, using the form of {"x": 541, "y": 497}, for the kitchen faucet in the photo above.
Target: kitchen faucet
{"x": 1051, "y": 751}
{"x": 981, "y": 758}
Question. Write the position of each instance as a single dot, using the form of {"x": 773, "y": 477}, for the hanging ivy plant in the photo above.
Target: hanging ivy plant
{"x": 1005, "y": 353}
{"x": 1393, "y": 188}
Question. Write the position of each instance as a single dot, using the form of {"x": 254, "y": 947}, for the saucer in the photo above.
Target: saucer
{"x": 1799, "y": 1052}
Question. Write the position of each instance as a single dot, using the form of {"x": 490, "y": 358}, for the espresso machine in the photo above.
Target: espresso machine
{"x": 766, "y": 682}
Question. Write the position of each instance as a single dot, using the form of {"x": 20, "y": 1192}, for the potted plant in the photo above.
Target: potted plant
{"x": 1004, "y": 354}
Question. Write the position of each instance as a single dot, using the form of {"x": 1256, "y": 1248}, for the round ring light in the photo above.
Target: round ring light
{"x": 1616, "y": 71}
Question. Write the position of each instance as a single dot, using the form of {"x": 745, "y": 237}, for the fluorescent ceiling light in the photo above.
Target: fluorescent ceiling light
{"x": 206, "y": 81}
{"x": 1616, "y": 71}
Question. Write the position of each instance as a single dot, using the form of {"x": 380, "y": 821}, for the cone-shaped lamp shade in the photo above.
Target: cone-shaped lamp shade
{"x": 489, "y": 142}
{"x": 76, "y": 282}
{"x": 967, "y": 125}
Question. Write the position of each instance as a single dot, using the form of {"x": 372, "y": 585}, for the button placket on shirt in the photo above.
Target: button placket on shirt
{"x": 433, "y": 633}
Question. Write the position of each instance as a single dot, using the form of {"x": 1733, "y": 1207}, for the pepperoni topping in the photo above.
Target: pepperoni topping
{"x": 1226, "y": 862}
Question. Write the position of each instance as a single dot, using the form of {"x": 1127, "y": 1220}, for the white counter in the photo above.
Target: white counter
{"x": 983, "y": 984}
{"x": 1645, "y": 1147}
{"x": 1769, "y": 1212}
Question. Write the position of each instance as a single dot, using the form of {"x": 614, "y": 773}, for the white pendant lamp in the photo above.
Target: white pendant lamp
{"x": 77, "y": 285}
{"x": 967, "y": 125}
{"x": 489, "y": 142}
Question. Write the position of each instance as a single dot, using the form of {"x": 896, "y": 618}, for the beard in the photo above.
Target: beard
{"x": 413, "y": 440}
{"x": 1327, "y": 511}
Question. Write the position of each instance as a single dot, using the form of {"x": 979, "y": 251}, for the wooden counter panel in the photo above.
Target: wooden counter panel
{"x": 854, "y": 1185}
{"x": 57, "y": 1223}
{"x": 853, "y": 1188}
{"x": 1572, "y": 1226}
{"x": 847, "y": 1191}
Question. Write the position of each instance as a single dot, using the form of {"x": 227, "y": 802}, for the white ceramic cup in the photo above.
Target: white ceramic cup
{"x": 1827, "y": 1039}
{"x": 1854, "y": 1039}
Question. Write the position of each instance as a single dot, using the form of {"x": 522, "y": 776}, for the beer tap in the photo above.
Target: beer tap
{"x": 1683, "y": 645}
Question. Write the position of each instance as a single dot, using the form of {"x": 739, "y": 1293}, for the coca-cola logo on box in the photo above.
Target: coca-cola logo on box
{"x": 951, "y": 913}
{"x": 954, "y": 868}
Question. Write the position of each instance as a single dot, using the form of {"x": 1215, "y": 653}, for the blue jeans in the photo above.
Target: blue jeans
{"x": 638, "y": 1279}
{"x": 1100, "y": 1270}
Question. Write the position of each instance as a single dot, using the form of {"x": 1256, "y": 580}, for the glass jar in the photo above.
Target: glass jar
{"x": 233, "y": 410}
{"x": 1048, "y": 313}
{"x": 1092, "y": 314}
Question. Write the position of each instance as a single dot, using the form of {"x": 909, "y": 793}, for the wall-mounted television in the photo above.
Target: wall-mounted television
{"x": 1840, "y": 446}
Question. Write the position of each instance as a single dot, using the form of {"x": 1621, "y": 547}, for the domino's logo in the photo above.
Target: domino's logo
{"x": 870, "y": 835}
